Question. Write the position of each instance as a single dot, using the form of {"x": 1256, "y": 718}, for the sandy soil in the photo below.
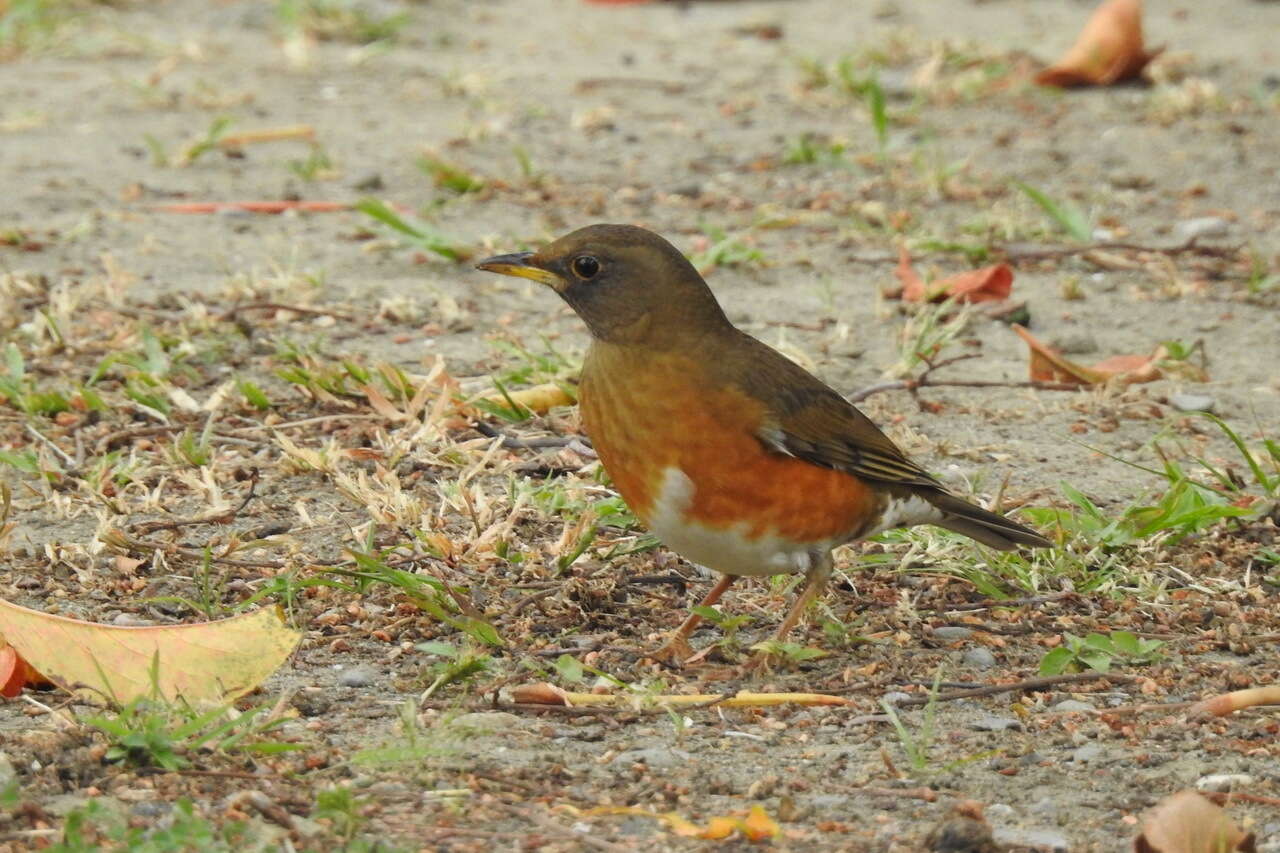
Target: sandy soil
{"x": 681, "y": 117}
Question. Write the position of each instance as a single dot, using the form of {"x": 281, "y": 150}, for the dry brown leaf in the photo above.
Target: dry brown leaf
{"x": 1109, "y": 49}
{"x": 1049, "y": 365}
{"x": 204, "y": 662}
{"x": 1237, "y": 700}
{"x": 1186, "y": 822}
{"x": 989, "y": 284}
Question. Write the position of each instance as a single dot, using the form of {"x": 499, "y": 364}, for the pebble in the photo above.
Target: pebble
{"x": 1203, "y": 226}
{"x": 1192, "y": 402}
{"x": 658, "y": 757}
{"x": 1072, "y": 705}
{"x": 979, "y": 657}
{"x": 1090, "y": 752}
{"x": 896, "y": 697}
{"x": 128, "y": 620}
{"x": 999, "y": 812}
{"x": 952, "y": 632}
{"x": 992, "y": 723}
{"x": 312, "y": 702}
{"x": 151, "y": 809}
{"x": 489, "y": 721}
{"x": 1076, "y": 343}
{"x": 1224, "y": 782}
{"x": 360, "y": 675}
{"x": 1048, "y": 840}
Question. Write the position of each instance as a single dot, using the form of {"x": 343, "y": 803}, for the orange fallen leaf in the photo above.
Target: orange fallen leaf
{"x": 16, "y": 673}
{"x": 1049, "y": 365}
{"x": 204, "y": 662}
{"x": 1237, "y": 700}
{"x": 755, "y": 826}
{"x": 1186, "y": 822}
{"x": 1108, "y": 50}
{"x": 989, "y": 284}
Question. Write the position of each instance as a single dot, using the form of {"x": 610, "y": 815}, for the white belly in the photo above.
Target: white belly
{"x": 727, "y": 550}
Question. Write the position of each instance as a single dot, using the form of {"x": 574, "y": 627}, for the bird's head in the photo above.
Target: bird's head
{"x": 627, "y": 284}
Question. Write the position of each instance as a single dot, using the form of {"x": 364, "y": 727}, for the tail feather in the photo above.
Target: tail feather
{"x": 986, "y": 527}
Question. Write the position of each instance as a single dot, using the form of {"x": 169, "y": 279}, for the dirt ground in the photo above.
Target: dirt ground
{"x": 742, "y": 132}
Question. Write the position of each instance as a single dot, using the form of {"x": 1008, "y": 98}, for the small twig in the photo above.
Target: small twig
{"x": 1008, "y": 602}
{"x": 913, "y": 384}
{"x": 230, "y": 313}
{"x": 1029, "y": 684}
{"x": 533, "y": 598}
{"x": 62, "y": 454}
{"x": 510, "y": 442}
{"x": 1014, "y": 254}
{"x": 927, "y": 794}
{"x": 1223, "y": 798}
{"x": 223, "y": 517}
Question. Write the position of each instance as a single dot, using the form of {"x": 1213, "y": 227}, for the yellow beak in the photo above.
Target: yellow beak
{"x": 520, "y": 265}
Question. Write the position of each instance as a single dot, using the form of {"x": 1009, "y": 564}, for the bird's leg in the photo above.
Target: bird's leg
{"x": 815, "y": 581}
{"x": 677, "y": 649}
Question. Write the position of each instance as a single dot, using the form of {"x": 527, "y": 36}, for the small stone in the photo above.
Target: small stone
{"x": 371, "y": 182}
{"x": 1191, "y": 402}
{"x": 992, "y": 723}
{"x": 896, "y": 697}
{"x": 312, "y": 702}
{"x": 1224, "y": 782}
{"x": 360, "y": 675}
{"x": 151, "y": 809}
{"x": 655, "y": 758}
{"x": 1076, "y": 343}
{"x": 950, "y": 633}
{"x": 495, "y": 721}
{"x": 999, "y": 812}
{"x": 1032, "y": 838}
{"x": 1203, "y": 226}
{"x": 1071, "y": 705}
{"x": 1090, "y": 752}
{"x": 979, "y": 657}
{"x": 128, "y": 620}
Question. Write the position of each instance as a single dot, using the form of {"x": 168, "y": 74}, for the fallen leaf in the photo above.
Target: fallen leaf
{"x": 1109, "y": 49}
{"x": 1186, "y": 822}
{"x": 755, "y": 826}
{"x": 1237, "y": 700}
{"x": 16, "y": 673}
{"x": 538, "y": 399}
{"x": 204, "y": 662}
{"x": 1049, "y": 365}
{"x": 989, "y": 284}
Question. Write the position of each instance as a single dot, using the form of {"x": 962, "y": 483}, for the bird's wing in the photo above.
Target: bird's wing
{"x": 807, "y": 419}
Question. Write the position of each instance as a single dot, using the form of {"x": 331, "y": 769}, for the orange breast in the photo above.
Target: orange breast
{"x": 645, "y": 417}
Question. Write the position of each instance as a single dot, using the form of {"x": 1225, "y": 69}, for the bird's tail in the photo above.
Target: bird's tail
{"x": 986, "y": 527}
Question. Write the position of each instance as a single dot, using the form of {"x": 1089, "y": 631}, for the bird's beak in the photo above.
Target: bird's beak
{"x": 521, "y": 265}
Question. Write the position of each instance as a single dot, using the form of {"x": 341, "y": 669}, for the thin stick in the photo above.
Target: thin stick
{"x": 913, "y": 384}
{"x": 224, "y": 517}
{"x": 1029, "y": 684}
{"x": 230, "y": 313}
{"x": 270, "y": 207}
{"x": 1014, "y": 254}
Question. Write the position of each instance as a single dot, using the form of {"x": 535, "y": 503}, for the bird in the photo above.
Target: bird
{"x": 734, "y": 456}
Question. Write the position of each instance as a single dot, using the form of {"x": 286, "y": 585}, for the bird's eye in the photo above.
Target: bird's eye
{"x": 585, "y": 267}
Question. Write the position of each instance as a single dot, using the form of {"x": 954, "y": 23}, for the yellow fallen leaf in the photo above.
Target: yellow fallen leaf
{"x": 204, "y": 662}
{"x": 539, "y": 398}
